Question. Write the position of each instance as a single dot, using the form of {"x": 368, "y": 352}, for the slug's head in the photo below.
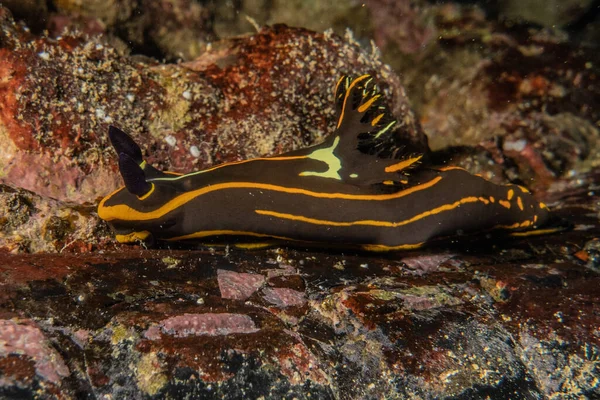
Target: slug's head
{"x": 137, "y": 210}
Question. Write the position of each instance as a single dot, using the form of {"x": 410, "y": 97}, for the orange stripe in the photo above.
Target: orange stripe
{"x": 376, "y": 119}
{"x": 202, "y": 234}
{"x": 337, "y": 85}
{"x": 383, "y": 247}
{"x": 504, "y": 203}
{"x": 516, "y": 225}
{"x": 450, "y": 168}
{"x": 126, "y": 213}
{"x": 354, "y": 82}
{"x": 133, "y": 237}
{"x": 368, "y": 104}
{"x": 402, "y": 164}
{"x": 370, "y": 222}
{"x": 537, "y": 232}
{"x": 520, "y": 203}
{"x": 144, "y": 197}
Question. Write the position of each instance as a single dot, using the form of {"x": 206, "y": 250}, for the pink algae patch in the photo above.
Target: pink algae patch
{"x": 426, "y": 263}
{"x": 238, "y": 286}
{"x": 283, "y": 270}
{"x": 284, "y": 297}
{"x": 60, "y": 179}
{"x": 208, "y": 324}
{"x": 24, "y": 338}
{"x": 419, "y": 303}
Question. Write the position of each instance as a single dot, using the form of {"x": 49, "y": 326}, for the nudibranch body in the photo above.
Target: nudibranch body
{"x": 340, "y": 192}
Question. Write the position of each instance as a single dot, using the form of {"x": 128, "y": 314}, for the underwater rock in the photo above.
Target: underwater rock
{"x": 547, "y": 13}
{"x": 172, "y": 29}
{"x": 30, "y": 223}
{"x": 23, "y": 341}
{"x": 239, "y": 286}
{"x": 33, "y": 12}
{"x": 245, "y": 17}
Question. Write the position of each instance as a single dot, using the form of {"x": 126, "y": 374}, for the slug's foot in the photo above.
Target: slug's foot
{"x": 554, "y": 224}
{"x": 144, "y": 237}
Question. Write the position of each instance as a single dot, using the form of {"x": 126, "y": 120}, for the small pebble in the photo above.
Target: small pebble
{"x": 171, "y": 141}
{"x": 195, "y": 151}
{"x": 517, "y": 145}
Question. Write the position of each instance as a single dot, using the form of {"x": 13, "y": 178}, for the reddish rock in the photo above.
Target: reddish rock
{"x": 284, "y": 297}
{"x": 24, "y": 337}
{"x": 238, "y": 286}
{"x": 206, "y": 324}
{"x": 426, "y": 264}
